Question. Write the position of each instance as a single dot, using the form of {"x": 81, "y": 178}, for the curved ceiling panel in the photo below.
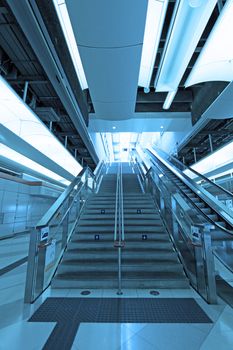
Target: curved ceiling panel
{"x": 105, "y": 23}
{"x": 109, "y": 36}
{"x": 112, "y": 76}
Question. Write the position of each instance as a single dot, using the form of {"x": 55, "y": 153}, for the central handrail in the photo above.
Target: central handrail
{"x": 119, "y": 232}
{"x": 122, "y": 206}
{"x": 116, "y": 206}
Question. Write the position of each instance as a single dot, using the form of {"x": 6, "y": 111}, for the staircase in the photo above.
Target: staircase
{"x": 148, "y": 258}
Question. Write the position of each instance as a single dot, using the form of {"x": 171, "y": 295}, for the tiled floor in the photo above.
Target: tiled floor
{"x": 18, "y": 334}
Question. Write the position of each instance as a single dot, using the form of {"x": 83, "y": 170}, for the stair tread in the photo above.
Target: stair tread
{"x": 151, "y": 262}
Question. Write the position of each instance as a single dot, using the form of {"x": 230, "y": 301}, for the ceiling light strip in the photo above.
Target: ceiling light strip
{"x": 188, "y": 23}
{"x": 215, "y": 62}
{"x": 64, "y": 19}
{"x": 156, "y": 12}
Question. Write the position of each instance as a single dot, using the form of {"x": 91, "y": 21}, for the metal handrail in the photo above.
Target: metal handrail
{"x": 122, "y": 207}
{"x": 48, "y": 216}
{"x": 73, "y": 197}
{"x": 225, "y": 230}
{"x": 98, "y": 170}
{"x": 186, "y": 167}
{"x": 119, "y": 232}
{"x": 222, "y": 211}
{"x": 116, "y": 206}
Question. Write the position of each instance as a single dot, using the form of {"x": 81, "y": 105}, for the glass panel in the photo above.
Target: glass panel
{"x": 219, "y": 195}
{"x": 48, "y": 242}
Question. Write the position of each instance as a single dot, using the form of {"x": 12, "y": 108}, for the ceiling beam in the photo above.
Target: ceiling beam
{"x": 158, "y": 107}
{"x": 223, "y": 132}
{"x": 159, "y": 97}
{"x": 67, "y": 133}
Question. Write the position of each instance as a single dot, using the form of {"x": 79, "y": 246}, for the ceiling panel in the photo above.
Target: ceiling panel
{"x": 109, "y": 35}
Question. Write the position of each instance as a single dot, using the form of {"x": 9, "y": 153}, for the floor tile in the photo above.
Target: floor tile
{"x": 127, "y": 293}
{"x": 225, "y": 322}
{"x": 101, "y": 336}
{"x": 57, "y": 292}
{"x": 173, "y": 336}
{"x": 137, "y": 343}
{"x": 213, "y": 311}
{"x": 218, "y": 341}
{"x": 135, "y": 327}
{"x": 12, "y": 311}
{"x": 163, "y": 293}
{"x": 25, "y": 335}
{"x": 95, "y": 293}
{"x": 183, "y": 293}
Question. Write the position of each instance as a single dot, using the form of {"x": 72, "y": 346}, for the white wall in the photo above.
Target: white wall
{"x": 98, "y": 143}
{"x": 22, "y": 205}
{"x": 169, "y": 141}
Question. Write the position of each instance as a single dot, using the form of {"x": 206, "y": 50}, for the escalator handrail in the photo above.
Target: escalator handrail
{"x": 222, "y": 210}
{"x": 197, "y": 173}
{"x": 193, "y": 204}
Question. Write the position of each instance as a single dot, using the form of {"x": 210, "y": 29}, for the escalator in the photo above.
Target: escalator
{"x": 194, "y": 195}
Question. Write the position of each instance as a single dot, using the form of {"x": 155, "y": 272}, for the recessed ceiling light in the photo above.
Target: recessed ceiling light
{"x": 146, "y": 90}
{"x": 114, "y": 127}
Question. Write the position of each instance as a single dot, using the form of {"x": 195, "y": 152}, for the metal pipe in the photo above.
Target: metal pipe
{"x": 122, "y": 209}
{"x": 211, "y": 143}
{"x": 25, "y": 91}
{"x": 119, "y": 292}
{"x": 195, "y": 154}
{"x": 116, "y": 209}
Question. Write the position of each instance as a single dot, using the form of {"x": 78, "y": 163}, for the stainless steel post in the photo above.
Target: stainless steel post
{"x": 25, "y": 91}
{"x": 31, "y": 267}
{"x": 209, "y": 265}
{"x": 119, "y": 292}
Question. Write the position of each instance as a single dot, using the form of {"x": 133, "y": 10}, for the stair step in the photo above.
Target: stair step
{"x": 145, "y": 268}
{"x": 99, "y": 245}
{"x": 131, "y": 216}
{"x": 146, "y": 263}
{"x": 78, "y": 237}
{"x": 162, "y": 254}
{"x": 126, "y": 211}
{"x": 127, "y": 222}
{"x": 126, "y": 283}
{"x": 101, "y": 229}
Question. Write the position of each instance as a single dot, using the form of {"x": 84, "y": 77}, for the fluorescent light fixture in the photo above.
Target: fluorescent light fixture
{"x": 21, "y": 120}
{"x": 70, "y": 39}
{"x": 188, "y": 23}
{"x": 146, "y": 90}
{"x": 156, "y": 11}
{"x": 215, "y": 62}
{"x": 19, "y": 158}
{"x": 169, "y": 99}
{"x": 215, "y": 160}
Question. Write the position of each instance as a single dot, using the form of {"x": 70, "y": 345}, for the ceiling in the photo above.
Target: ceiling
{"x": 19, "y": 65}
{"x": 109, "y": 37}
